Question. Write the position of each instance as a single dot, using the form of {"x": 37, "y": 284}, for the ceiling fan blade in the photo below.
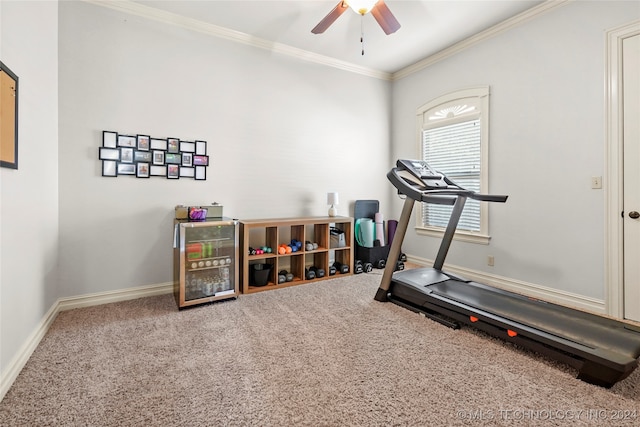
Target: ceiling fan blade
{"x": 385, "y": 18}
{"x": 330, "y": 18}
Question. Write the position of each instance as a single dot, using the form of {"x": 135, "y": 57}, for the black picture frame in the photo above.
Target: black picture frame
{"x": 143, "y": 142}
{"x": 126, "y": 169}
{"x": 201, "y": 160}
{"x": 10, "y": 94}
{"x": 187, "y": 172}
{"x": 158, "y": 157}
{"x": 142, "y": 156}
{"x": 201, "y": 148}
{"x": 127, "y": 141}
{"x": 126, "y": 154}
{"x": 142, "y": 170}
{"x": 110, "y": 168}
{"x": 187, "y": 147}
{"x": 109, "y": 139}
{"x": 155, "y": 170}
{"x": 187, "y": 160}
{"x": 158, "y": 144}
{"x": 105, "y": 153}
{"x": 173, "y": 145}
{"x": 200, "y": 173}
{"x": 173, "y": 171}
{"x": 172, "y": 159}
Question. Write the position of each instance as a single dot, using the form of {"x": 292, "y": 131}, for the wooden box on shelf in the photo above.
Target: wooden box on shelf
{"x": 271, "y": 233}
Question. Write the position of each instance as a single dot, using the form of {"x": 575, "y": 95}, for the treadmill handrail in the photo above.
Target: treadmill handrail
{"x": 422, "y": 192}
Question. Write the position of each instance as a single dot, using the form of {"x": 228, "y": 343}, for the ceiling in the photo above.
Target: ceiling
{"x": 427, "y": 26}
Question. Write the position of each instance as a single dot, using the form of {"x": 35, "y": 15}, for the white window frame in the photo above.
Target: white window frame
{"x": 429, "y": 116}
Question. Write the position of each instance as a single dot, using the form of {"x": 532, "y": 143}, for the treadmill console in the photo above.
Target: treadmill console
{"x": 421, "y": 170}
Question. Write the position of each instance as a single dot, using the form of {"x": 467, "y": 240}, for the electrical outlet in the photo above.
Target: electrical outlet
{"x": 490, "y": 260}
{"x": 596, "y": 182}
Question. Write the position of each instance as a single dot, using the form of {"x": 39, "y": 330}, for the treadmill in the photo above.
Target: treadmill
{"x": 603, "y": 350}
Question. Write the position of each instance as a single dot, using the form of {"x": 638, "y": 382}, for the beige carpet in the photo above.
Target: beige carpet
{"x": 321, "y": 354}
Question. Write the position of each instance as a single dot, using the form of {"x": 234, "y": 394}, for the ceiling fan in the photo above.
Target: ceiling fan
{"x": 378, "y": 9}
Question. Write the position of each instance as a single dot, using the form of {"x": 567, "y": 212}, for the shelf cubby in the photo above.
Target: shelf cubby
{"x": 274, "y": 232}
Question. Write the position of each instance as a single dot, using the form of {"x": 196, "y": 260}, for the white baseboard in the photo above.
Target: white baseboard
{"x": 20, "y": 360}
{"x": 544, "y": 293}
{"x": 100, "y": 298}
{"x": 17, "y": 363}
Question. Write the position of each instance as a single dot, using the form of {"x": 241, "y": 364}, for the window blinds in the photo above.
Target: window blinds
{"x": 455, "y": 151}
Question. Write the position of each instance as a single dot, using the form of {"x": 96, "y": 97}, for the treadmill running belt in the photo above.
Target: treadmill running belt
{"x": 580, "y": 327}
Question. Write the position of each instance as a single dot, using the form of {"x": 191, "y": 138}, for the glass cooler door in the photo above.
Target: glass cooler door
{"x": 208, "y": 261}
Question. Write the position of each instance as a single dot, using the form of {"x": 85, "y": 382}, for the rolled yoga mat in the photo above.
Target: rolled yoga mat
{"x": 379, "y": 220}
{"x": 391, "y": 230}
{"x": 366, "y": 232}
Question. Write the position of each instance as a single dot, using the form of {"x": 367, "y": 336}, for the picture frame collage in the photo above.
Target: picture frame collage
{"x": 144, "y": 156}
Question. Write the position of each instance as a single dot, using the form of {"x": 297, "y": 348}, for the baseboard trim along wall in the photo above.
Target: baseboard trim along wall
{"x": 62, "y": 304}
{"x": 17, "y": 363}
{"x": 114, "y": 296}
{"x": 568, "y": 299}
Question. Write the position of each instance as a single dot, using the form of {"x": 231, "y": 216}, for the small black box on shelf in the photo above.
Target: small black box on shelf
{"x": 260, "y": 274}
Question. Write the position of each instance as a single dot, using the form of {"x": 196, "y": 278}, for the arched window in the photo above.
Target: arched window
{"x": 454, "y": 138}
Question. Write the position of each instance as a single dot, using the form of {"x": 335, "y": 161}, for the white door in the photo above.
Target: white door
{"x": 631, "y": 173}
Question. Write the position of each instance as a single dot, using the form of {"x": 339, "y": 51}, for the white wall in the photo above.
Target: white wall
{"x": 29, "y": 195}
{"x": 281, "y": 134}
{"x": 547, "y": 139}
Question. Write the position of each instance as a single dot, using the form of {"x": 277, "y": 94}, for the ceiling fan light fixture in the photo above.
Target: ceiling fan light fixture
{"x": 378, "y": 9}
{"x": 361, "y": 7}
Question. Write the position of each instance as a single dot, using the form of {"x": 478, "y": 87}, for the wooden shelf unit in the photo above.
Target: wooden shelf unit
{"x": 274, "y": 232}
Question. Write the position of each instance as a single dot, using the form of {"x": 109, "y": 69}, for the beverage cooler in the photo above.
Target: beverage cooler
{"x": 205, "y": 261}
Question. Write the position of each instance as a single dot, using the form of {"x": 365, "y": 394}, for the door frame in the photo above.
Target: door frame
{"x": 614, "y": 255}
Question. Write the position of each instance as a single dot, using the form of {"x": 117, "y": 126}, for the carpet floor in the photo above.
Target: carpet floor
{"x": 320, "y": 354}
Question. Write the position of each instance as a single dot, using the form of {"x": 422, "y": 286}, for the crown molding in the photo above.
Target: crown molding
{"x": 127, "y": 6}
{"x": 191, "y": 24}
{"x": 497, "y": 29}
